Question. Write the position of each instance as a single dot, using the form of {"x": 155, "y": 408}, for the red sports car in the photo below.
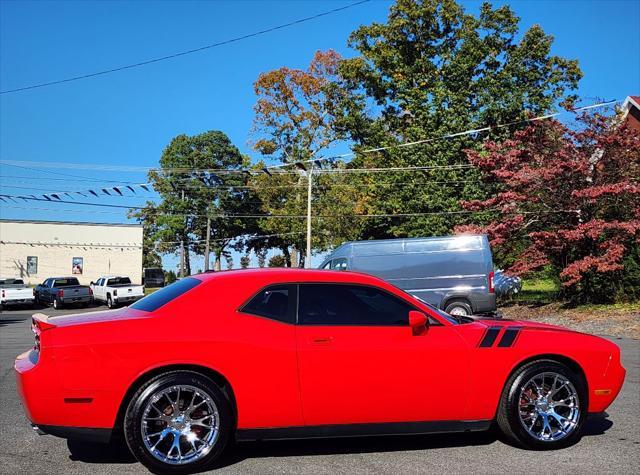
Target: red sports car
{"x": 264, "y": 354}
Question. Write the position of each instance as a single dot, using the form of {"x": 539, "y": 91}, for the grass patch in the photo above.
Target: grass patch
{"x": 537, "y": 292}
{"x": 150, "y": 291}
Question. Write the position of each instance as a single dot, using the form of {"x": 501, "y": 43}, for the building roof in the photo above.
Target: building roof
{"x": 74, "y": 223}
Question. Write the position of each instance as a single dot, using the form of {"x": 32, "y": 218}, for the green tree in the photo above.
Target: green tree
{"x": 298, "y": 116}
{"x": 277, "y": 261}
{"x": 432, "y": 69}
{"x": 199, "y": 176}
{"x": 244, "y": 262}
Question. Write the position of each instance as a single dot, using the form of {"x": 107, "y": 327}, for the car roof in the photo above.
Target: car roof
{"x": 291, "y": 275}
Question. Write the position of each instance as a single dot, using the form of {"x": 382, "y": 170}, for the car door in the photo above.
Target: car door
{"x": 360, "y": 363}
{"x": 97, "y": 289}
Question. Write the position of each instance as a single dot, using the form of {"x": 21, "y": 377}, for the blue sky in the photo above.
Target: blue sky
{"x": 128, "y": 117}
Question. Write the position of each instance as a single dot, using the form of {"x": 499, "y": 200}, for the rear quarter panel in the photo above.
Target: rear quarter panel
{"x": 256, "y": 356}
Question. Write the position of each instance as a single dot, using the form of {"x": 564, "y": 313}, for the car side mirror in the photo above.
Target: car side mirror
{"x": 418, "y": 322}
{"x": 91, "y": 283}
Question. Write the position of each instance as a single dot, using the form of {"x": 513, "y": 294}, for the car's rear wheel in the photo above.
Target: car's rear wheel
{"x": 109, "y": 301}
{"x": 178, "y": 422}
{"x": 57, "y": 304}
{"x": 543, "y": 406}
{"x": 459, "y": 308}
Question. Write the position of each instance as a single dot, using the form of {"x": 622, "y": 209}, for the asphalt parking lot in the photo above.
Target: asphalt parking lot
{"x": 610, "y": 445}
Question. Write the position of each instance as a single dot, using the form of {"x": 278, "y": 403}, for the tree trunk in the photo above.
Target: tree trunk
{"x": 217, "y": 266}
{"x": 187, "y": 262}
{"x": 302, "y": 258}
{"x": 287, "y": 256}
{"x": 294, "y": 257}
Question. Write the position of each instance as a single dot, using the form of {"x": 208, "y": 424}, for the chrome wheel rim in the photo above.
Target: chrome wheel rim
{"x": 180, "y": 424}
{"x": 549, "y": 407}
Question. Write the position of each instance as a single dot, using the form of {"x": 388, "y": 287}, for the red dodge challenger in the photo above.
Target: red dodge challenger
{"x": 266, "y": 354}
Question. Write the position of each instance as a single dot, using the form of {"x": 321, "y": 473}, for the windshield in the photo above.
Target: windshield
{"x": 153, "y": 273}
{"x": 66, "y": 282}
{"x": 450, "y": 318}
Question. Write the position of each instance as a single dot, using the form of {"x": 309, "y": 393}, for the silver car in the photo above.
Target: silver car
{"x": 453, "y": 273}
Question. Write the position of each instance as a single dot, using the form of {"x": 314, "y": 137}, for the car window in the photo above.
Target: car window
{"x": 276, "y": 302}
{"x": 66, "y": 282}
{"x": 340, "y": 304}
{"x": 165, "y": 295}
{"x": 327, "y": 265}
{"x": 339, "y": 264}
{"x": 119, "y": 281}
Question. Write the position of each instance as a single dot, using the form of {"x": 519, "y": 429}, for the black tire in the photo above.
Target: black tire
{"x": 135, "y": 411}
{"x": 56, "y": 304}
{"x": 508, "y": 418}
{"x": 109, "y": 301}
{"x": 459, "y": 305}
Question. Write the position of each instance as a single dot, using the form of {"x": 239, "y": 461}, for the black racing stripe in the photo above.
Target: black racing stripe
{"x": 489, "y": 337}
{"x": 510, "y": 335}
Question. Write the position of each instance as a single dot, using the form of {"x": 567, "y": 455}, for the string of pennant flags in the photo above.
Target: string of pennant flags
{"x": 93, "y": 192}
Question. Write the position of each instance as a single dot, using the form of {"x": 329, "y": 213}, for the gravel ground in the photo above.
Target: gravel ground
{"x": 621, "y": 321}
{"x": 610, "y": 444}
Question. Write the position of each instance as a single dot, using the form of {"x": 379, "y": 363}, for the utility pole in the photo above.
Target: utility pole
{"x": 309, "y": 185}
{"x": 206, "y": 246}
{"x": 181, "y": 258}
{"x": 182, "y": 244}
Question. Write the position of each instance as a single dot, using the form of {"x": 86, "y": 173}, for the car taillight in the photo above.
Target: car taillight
{"x": 60, "y": 293}
{"x": 90, "y": 291}
{"x": 36, "y": 335}
{"x": 490, "y": 281}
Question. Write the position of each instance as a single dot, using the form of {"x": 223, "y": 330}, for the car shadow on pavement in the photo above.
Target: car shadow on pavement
{"x": 9, "y": 321}
{"x": 352, "y": 445}
{"x": 597, "y": 424}
{"x": 92, "y": 452}
{"x": 118, "y": 452}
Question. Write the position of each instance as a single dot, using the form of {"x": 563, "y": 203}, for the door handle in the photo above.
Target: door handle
{"x": 322, "y": 340}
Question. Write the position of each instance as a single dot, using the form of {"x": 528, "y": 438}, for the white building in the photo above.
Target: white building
{"x": 35, "y": 250}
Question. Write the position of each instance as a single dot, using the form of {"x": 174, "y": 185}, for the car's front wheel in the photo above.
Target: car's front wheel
{"x": 543, "y": 406}
{"x": 178, "y": 422}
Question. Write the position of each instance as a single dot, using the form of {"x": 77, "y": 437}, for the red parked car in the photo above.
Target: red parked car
{"x": 264, "y": 354}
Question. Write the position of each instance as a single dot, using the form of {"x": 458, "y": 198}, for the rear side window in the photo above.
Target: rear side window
{"x": 119, "y": 281}
{"x": 340, "y": 304}
{"x": 65, "y": 282}
{"x": 165, "y": 295}
{"x": 276, "y": 302}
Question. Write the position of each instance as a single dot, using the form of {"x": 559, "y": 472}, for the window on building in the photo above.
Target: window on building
{"x": 340, "y": 304}
{"x": 32, "y": 265}
{"x": 276, "y": 302}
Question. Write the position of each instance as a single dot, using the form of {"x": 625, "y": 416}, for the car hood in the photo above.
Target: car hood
{"x": 523, "y": 324}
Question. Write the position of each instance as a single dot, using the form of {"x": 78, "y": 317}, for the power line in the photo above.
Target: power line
{"x": 277, "y": 168}
{"x": 184, "y": 53}
{"x": 321, "y": 216}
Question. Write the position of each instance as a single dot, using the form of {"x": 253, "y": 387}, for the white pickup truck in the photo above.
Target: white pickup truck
{"x": 15, "y": 292}
{"x": 116, "y": 290}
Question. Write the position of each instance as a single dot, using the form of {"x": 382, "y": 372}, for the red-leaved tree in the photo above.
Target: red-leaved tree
{"x": 568, "y": 200}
